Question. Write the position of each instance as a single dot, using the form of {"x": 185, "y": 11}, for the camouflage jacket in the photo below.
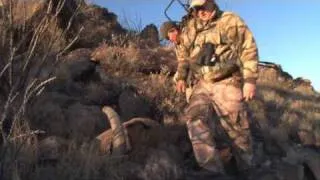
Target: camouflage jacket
{"x": 233, "y": 41}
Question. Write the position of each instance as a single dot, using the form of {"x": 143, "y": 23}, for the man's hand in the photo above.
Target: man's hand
{"x": 181, "y": 86}
{"x": 249, "y": 91}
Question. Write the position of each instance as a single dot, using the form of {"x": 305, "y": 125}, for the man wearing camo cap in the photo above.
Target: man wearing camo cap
{"x": 179, "y": 35}
{"x": 234, "y": 42}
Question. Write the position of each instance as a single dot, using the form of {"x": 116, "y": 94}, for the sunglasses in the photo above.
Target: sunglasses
{"x": 172, "y": 30}
{"x": 199, "y": 8}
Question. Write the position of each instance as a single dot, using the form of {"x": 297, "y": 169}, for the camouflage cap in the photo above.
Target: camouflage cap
{"x": 195, "y": 3}
{"x": 165, "y": 27}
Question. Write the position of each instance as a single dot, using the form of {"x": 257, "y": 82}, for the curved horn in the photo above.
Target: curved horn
{"x": 120, "y": 140}
{"x": 145, "y": 121}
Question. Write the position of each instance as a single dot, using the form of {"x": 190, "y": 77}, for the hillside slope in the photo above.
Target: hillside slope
{"x": 79, "y": 59}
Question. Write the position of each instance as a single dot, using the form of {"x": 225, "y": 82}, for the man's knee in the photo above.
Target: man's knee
{"x": 200, "y": 107}
{"x": 200, "y": 133}
{"x": 198, "y": 111}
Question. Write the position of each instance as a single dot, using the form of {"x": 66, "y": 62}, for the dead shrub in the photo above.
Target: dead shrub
{"x": 30, "y": 36}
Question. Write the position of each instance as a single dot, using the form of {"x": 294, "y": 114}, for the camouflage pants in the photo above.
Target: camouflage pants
{"x": 213, "y": 106}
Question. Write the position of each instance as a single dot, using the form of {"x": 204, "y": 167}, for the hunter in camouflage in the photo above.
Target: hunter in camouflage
{"x": 234, "y": 44}
{"x": 178, "y": 35}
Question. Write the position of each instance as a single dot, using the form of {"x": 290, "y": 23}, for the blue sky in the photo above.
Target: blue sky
{"x": 287, "y": 32}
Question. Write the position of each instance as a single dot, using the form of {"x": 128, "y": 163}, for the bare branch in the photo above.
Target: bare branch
{"x": 60, "y": 7}
{"x": 20, "y": 43}
{"x": 50, "y": 6}
{"x": 5, "y": 112}
{"x": 4, "y": 69}
{"x": 11, "y": 41}
{"x": 41, "y": 85}
{"x": 71, "y": 43}
{"x": 36, "y": 132}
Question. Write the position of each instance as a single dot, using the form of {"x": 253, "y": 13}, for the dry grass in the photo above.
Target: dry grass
{"x": 29, "y": 39}
{"x": 149, "y": 70}
{"x": 29, "y": 48}
{"x": 291, "y": 111}
{"x": 26, "y": 48}
{"x": 284, "y": 113}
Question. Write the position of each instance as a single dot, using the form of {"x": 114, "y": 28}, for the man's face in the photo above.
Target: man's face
{"x": 173, "y": 34}
{"x": 204, "y": 12}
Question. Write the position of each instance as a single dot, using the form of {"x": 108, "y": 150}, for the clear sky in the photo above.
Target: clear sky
{"x": 287, "y": 31}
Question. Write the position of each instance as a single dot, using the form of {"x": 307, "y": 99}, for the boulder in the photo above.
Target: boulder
{"x": 150, "y": 35}
{"x": 272, "y": 72}
{"x": 133, "y": 105}
{"x": 51, "y": 148}
{"x": 99, "y": 25}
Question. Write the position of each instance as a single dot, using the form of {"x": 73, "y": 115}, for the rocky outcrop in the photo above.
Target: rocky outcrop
{"x": 66, "y": 19}
{"x": 100, "y": 25}
{"x": 303, "y": 85}
{"x": 71, "y": 106}
{"x": 150, "y": 35}
{"x": 271, "y": 72}
{"x": 145, "y": 60}
{"x": 71, "y": 101}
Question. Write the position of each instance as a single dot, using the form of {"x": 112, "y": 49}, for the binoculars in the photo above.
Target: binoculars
{"x": 207, "y": 55}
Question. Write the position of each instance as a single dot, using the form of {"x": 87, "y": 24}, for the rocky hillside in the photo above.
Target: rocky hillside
{"x": 63, "y": 63}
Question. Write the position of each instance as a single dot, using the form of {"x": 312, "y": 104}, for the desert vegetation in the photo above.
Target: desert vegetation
{"x": 63, "y": 62}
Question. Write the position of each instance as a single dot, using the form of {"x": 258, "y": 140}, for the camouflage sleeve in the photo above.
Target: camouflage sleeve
{"x": 183, "y": 64}
{"x": 239, "y": 33}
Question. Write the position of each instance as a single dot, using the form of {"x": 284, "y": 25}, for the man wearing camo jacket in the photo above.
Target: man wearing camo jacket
{"x": 217, "y": 101}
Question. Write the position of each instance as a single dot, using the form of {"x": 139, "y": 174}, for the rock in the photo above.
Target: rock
{"x": 204, "y": 175}
{"x": 306, "y": 133}
{"x": 263, "y": 174}
{"x": 307, "y": 137}
{"x": 272, "y": 72}
{"x": 62, "y": 116}
{"x": 150, "y": 35}
{"x": 272, "y": 147}
{"x": 101, "y": 94}
{"x": 312, "y": 165}
{"x": 71, "y": 105}
{"x": 303, "y": 85}
{"x": 162, "y": 162}
{"x": 51, "y": 148}
{"x": 289, "y": 171}
{"x": 82, "y": 54}
{"x": 79, "y": 70}
{"x": 317, "y": 136}
{"x": 99, "y": 25}
{"x": 302, "y": 82}
{"x": 133, "y": 105}
{"x": 307, "y": 158}
{"x": 85, "y": 122}
{"x": 47, "y": 114}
